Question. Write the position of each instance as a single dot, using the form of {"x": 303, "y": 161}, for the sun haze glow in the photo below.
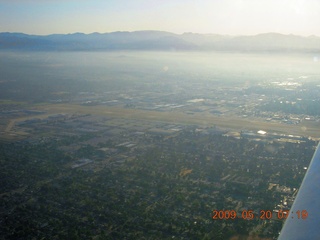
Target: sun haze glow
{"x": 232, "y": 17}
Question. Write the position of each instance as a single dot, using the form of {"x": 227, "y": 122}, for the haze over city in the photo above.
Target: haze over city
{"x": 159, "y": 119}
{"x": 230, "y": 17}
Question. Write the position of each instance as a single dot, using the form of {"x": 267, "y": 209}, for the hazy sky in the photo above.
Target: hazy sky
{"x": 233, "y": 17}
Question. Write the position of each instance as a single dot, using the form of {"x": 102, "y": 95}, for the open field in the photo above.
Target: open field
{"x": 306, "y": 128}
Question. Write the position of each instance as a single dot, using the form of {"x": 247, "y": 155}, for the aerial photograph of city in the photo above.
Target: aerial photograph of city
{"x": 158, "y": 119}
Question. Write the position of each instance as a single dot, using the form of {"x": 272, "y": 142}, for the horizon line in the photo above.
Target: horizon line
{"x": 121, "y": 31}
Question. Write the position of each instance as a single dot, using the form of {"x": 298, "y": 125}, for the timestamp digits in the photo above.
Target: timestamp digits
{"x": 250, "y": 214}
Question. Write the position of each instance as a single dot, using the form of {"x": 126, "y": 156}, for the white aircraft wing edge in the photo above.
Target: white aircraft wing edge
{"x": 308, "y": 199}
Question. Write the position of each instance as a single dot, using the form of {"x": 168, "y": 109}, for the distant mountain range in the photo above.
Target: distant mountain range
{"x": 158, "y": 40}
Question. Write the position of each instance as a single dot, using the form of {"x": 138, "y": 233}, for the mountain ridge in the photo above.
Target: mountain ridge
{"x": 159, "y": 40}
